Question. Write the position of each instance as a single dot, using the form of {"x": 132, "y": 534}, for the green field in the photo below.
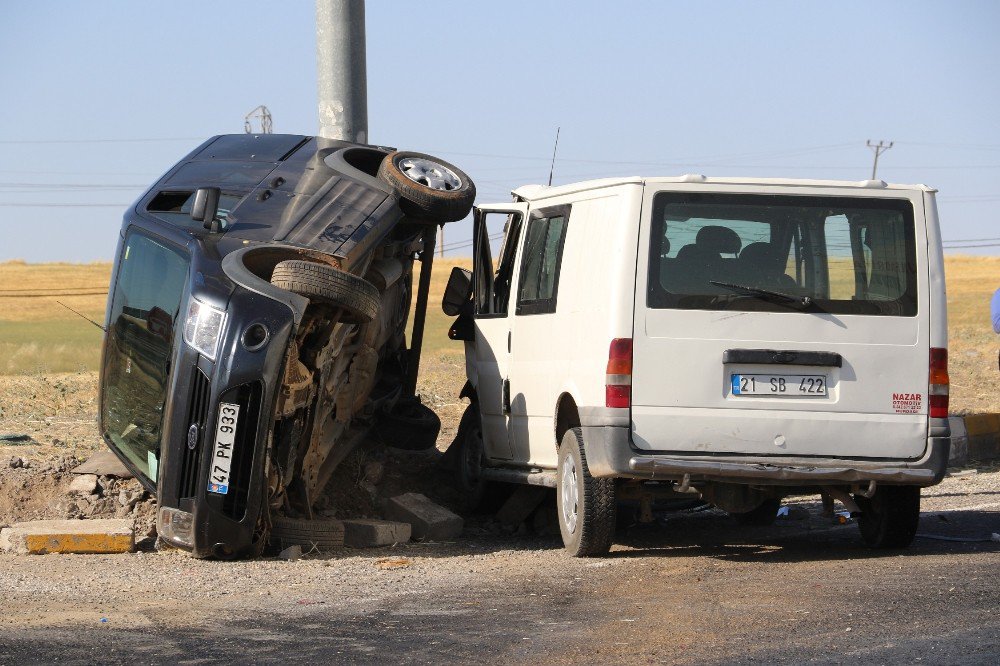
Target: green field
{"x": 37, "y": 335}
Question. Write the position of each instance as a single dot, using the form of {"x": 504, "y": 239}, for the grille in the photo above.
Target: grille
{"x": 248, "y": 397}
{"x": 197, "y": 415}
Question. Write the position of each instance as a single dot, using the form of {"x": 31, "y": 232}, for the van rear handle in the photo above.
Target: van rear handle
{"x": 782, "y": 357}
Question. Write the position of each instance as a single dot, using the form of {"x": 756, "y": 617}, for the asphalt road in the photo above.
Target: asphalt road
{"x": 692, "y": 588}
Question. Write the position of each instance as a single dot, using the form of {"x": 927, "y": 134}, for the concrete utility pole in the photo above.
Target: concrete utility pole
{"x": 341, "y": 71}
{"x": 878, "y": 150}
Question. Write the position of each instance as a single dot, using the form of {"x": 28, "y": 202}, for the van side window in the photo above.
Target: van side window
{"x": 543, "y": 246}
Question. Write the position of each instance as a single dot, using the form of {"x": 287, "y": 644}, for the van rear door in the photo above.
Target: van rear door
{"x": 780, "y": 321}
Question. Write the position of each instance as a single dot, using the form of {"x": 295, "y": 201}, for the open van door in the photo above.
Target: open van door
{"x": 492, "y": 284}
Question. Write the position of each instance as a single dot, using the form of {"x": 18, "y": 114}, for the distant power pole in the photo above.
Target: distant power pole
{"x": 878, "y": 149}
{"x": 262, "y": 114}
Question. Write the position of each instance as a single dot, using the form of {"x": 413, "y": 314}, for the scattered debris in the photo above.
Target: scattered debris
{"x": 85, "y": 484}
{"x": 104, "y": 463}
{"x": 392, "y": 563}
{"x": 963, "y": 472}
{"x": 374, "y": 533}
{"x": 68, "y": 536}
{"x": 291, "y": 553}
{"x": 16, "y": 439}
{"x": 793, "y": 512}
{"x": 941, "y": 537}
{"x": 427, "y": 519}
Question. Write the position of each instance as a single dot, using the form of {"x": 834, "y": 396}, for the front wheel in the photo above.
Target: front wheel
{"x": 889, "y": 518}
{"x": 586, "y": 506}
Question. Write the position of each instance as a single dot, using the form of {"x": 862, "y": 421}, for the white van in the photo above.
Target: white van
{"x": 738, "y": 339}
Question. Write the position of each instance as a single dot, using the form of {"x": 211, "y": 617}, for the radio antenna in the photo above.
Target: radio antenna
{"x": 554, "y": 149}
{"x": 83, "y": 316}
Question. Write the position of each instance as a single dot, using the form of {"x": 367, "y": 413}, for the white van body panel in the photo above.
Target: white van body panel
{"x": 682, "y": 398}
{"x": 555, "y": 354}
{"x": 684, "y": 414}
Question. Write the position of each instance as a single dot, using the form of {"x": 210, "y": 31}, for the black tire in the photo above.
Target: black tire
{"x": 471, "y": 459}
{"x": 410, "y": 426}
{"x": 419, "y": 198}
{"x": 319, "y": 282}
{"x": 594, "y": 506}
{"x": 762, "y": 516}
{"x": 890, "y": 517}
{"x": 320, "y": 533}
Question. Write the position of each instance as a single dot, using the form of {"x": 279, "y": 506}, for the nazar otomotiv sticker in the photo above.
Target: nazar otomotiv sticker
{"x": 907, "y": 403}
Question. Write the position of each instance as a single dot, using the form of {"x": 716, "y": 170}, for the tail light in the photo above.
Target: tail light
{"x": 618, "y": 384}
{"x": 937, "y": 383}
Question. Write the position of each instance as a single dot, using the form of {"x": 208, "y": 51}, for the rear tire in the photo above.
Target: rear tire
{"x": 587, "y": 506}
{"x": 326, "y": 284}
{"x": 890, "y": 517}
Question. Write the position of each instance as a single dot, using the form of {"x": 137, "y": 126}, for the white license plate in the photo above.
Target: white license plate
{"x": 222, "y": 455}
{"x": 785, "y": 386}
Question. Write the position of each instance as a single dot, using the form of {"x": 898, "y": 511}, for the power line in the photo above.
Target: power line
{"x": 32, "y": 142}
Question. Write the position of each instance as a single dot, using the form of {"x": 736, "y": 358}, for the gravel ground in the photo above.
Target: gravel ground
{"x": 690, "y": 588}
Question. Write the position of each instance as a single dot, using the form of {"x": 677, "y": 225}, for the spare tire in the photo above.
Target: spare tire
{"x": 428, "y": 187}
{"x": 319, "y": 533}
{"x": 319, "y": 282}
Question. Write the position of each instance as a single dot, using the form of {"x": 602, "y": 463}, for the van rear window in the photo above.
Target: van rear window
{"x": 780, "y": 253}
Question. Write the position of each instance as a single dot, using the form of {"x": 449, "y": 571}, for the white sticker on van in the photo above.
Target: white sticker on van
{"x": 907, "y": 403}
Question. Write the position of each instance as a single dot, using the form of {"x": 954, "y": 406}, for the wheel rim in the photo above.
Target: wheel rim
{"x": 430, "y": 174}
{"x": 569, "y": 495}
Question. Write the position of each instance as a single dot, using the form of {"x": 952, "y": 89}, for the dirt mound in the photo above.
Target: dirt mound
{"x": 39, "y": 488}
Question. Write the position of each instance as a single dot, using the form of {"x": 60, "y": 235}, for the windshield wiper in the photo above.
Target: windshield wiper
{"x": 766, "y": 294}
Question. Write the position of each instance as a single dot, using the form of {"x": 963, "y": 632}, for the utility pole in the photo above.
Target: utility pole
{"x": 341, "y": 71}
{"x": 878, "y": 149}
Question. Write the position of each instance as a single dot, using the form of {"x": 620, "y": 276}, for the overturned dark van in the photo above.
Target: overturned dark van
{"x": 256, "y": 325}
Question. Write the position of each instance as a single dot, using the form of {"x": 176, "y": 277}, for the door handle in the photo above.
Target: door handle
{"x": 505, "y": 397}
{"x": 508, "y": 342}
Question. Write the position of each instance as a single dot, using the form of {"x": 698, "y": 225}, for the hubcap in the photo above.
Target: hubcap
{"x": 430, "y": 174}
{"x": 569, "y": 495}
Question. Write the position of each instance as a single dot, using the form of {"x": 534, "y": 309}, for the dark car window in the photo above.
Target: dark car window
{"x": 539, "y": 281}
{"x": 151, "y": 281}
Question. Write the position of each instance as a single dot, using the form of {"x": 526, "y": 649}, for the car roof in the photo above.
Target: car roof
{"x": 533, "y": 192}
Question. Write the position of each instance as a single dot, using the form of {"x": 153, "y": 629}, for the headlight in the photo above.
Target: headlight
{"x": 204, "y": 327}
{"x": 176, "y": 527}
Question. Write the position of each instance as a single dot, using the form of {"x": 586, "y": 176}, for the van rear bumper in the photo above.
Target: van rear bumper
{"x": 610, "y": 454}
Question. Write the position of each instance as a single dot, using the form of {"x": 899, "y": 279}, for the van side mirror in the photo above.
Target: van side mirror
{"x": 205, "y": 207}
{"x": 458, "y": 292}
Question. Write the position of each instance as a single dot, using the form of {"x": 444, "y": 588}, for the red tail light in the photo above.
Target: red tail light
{"x": 618, "y": 383}
{"x": 937, "y": 383}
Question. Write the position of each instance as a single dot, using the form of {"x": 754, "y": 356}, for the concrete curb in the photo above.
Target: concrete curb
{"x": 974, "y": 437}
{"x": 39, "y": 537}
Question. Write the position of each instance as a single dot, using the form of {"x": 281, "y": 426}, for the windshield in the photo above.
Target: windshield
{"x": 763, "y": 252}
{"x": 151, "y": 281}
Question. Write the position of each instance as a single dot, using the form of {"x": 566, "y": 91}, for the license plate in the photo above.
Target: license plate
{"x": 785, "y": 386}
{"x": 222, "y": 455}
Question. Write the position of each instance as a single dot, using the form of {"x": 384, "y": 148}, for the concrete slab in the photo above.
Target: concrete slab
{"x": 374, "y": 533}
{"x": 104, "y": 463}
{"x": 520, "y": 504}
{"x": 427, "y": 519}
{"x": 84, "y": 484}
{"x": 39, "y": 537}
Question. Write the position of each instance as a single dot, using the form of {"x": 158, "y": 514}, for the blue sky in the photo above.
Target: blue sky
{"x": 97, "y": 99}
